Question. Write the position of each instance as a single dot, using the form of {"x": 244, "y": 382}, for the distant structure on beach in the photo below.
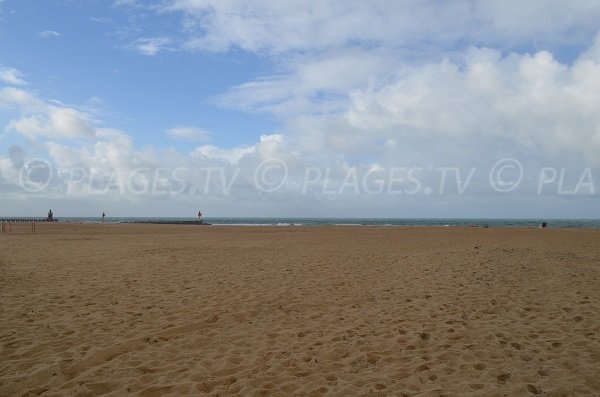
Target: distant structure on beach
{"x": 200, "y": 219}
{"x": 103, "y": 216}
{"x": 50, "y": 216}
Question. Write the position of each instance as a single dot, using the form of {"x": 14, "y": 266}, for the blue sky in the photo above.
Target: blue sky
{"x": 86, "y": 55}
{"x": 125, "y": 93}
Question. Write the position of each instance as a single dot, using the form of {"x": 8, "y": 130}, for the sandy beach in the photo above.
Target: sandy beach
{"x": 155, "y": 310}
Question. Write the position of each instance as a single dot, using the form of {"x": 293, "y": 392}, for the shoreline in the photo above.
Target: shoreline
{"x": 298, "y": 226}
{"x": 372, "y": 222}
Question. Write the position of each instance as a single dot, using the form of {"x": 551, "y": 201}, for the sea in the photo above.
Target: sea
{"x": 390, "y": 222}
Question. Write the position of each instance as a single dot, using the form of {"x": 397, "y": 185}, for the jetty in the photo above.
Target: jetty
{"x": 197, "y": 221}
{"x": 169, "y": 222}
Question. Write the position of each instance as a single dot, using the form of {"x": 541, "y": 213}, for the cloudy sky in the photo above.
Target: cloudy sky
{"x": 405, "y": 108}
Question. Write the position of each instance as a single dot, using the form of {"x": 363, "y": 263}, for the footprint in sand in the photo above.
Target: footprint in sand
{"x": 534, "y": 390}
{"x": 422, "y": 367}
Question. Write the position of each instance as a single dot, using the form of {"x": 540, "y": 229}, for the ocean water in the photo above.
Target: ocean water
{"x": 440, "y": 222}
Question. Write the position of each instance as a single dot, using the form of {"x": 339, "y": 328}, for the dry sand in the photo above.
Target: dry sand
{"x": 191, "y": 310}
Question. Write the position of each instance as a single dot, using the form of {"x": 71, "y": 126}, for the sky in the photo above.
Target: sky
{"x": 406, "y": 108}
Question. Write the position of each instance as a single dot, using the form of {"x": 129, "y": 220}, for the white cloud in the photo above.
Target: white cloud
{"x": 264, "y": 25}
{"x": 311, "y": 84}
{"x": 48, "y": 34}
{"x": 152, "y": 45}
{"x": 120, "y": 3}
{"x": 193, "y": 134}
{"x": 39, "y": 118}
{"x": 232, "y": 156}
{"x": 101, "y": 20}
{"x": 355, "y": 102}
{"x": 11, "y": 76}
{"x": 269, "y": 146}
{"x": 533, "y": 101}
{"x": 55, "y": 122}
{"x": 350, "y": 75}
{"x": 12, "y": 96}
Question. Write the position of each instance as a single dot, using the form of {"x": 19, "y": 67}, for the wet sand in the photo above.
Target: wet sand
{"x": 157, "y": 310}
